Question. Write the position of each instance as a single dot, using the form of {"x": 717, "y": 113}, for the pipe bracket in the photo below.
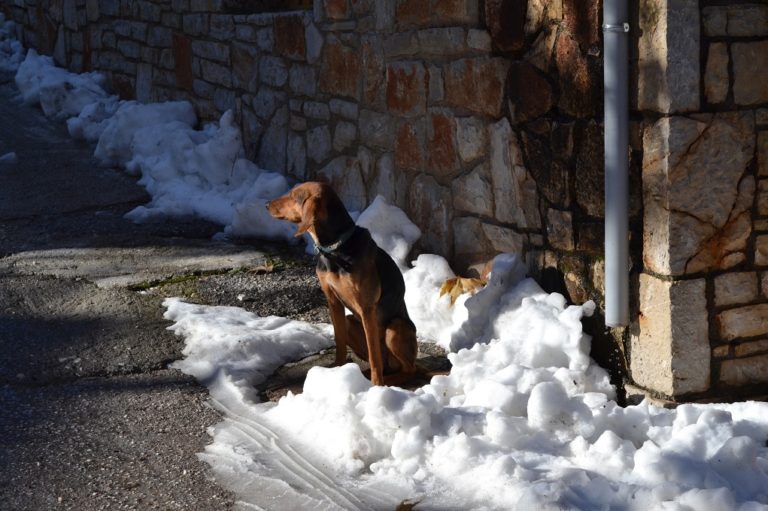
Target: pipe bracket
{"x": 624, "y": 27}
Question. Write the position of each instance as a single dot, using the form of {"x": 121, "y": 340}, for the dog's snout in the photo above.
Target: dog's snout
{"x": 268, "y": 203}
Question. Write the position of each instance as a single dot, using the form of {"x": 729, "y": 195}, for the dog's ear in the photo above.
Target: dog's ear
{"x": 308, "y": 215}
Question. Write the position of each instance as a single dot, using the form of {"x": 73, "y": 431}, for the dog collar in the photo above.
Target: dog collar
{"x": 329, "y": 249}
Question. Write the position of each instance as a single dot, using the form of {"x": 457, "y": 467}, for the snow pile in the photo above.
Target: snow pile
{"x": 60, "y": 93}
{"x": 524, "y": 420}
{"x": 11, "y": 51}
{"x": 186, "y": 171}
{"x": 9, "y": 158}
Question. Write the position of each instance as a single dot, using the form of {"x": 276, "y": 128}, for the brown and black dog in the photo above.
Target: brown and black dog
{"x": 355, "y": 273}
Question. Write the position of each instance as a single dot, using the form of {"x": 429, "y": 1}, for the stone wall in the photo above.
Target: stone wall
{"x": 481, "y": 119}
{"x": 703, "y": 92}
{"x": 396, "y": 98}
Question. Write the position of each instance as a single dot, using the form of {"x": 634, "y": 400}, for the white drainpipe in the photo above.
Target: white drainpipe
{"x": 615, "y": 76}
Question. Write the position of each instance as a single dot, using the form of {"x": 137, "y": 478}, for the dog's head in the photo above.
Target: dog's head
{"x": 309, "y": 205}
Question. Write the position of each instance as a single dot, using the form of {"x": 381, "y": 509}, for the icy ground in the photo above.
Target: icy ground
{"x": 525, "y": 420}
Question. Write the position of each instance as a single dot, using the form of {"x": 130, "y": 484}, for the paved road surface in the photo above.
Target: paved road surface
{"x": 91, "y": 418}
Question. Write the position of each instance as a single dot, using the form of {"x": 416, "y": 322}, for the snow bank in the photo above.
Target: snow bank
{"x": 525, "y": 420}
{"x": 11, "y": 51}
{"x": 61, "y": 94}
{"x": 186, "y": 171}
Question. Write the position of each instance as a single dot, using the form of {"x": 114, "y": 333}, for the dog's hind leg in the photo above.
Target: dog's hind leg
{"x": 356, "y": 337}
{"x": 400, "y": 340}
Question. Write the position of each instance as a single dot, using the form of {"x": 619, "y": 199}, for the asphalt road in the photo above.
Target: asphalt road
{"x": 91, "y": 418}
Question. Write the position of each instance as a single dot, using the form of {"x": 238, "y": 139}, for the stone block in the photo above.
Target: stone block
{"x": 479, "y": 40}
{"x": 762, "y": 197}
{"x": 344, "y": 136}
{"x": 290, "y": 38}
{"x": 409, "y": 13}
{"x": 313, "y": 43}
{"x": 245, "y": 69}
{"x": 171, "y": 20}
{"x": 762, "y": 153}
{"x": 272, "y": 147}
{"x": 761, "y": 116}
{"x": 384, "y": 16}
{"x": 455, "y": 12}
{"x": 744, "y": 371}
{"x": 384, "y": 181}
{"x": 716, "y": 77}
{"x": 343, "y": 173}
{"x": 216, "y": 73}
{"x": 746, "y": 349}
{"x": 761, "y": 250}
{"x": 222, "y": 27}
{"x": 560, "y": 229}
{"x": 296, "y": 157}
{"x": 410, "y": 141}
{"x": 203, "y": 89}
{"x": 589, "y": 185}
{"x": 377, "y": 129}
{"x": 442, "y": 155}
{"x": 580, "y": 90}
{"x": 317, "y": 110}
{"x": 671, "y": 354}
{"x": 750, "y": 72}
{"x": 273, "y": 71}
{"x": 265, "y": 39}
{"x": 471, "y": 138}
{"x": 245, "y": 33}
{"x": 92, "y": 9}
{"x": 345, "y": 109}
{"x": 514, "y": 191}
{"x": 476, "y": 85}
{"x": 442, "y": 41}
{"x": 582, "y": 19}
{"x": 473, "y": 193}
{"x": 552, "y": 175}
{"x": 211, "y": 50}
{"x": 542, "y": 49}
{"x": 764, "y": 284}
{"x": 697, "y": 200}
{"x": 470, "y": 244}
{"x": 436, "y": 85}
{"x": 340, "y": 70}
{"x": 130, "y": 49}
{"x": 374, "y": 71}
{"x": 319, "y": 143}
{"x": 149, "y": 12}
{"x": 160, "y": 37}
{"x": 739, "y": 20}
{"x": 407, "y": 84}
{"x": 749, "y": 321}
{"x": 668, "y": 80}
{"x": 302, "y": 80}
{"x": 298, "y": 123}
{"x": 430, "y": 208}
{"x": 529, "y": 92}
{"x": 144, "y": 83}
{"x": 503, "y": 239}
{"x": 735, "y": 288}
{"x": 182, "y": 56}
{"x": 194, "y": 24}
{"x": 401, "y": 44}
{"x": 336, "y": 9}
{"x": 267, "y": 101}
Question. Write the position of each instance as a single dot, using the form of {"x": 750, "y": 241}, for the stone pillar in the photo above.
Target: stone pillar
{"x": 670, "y": 355}
{"x": 702, "y": 315}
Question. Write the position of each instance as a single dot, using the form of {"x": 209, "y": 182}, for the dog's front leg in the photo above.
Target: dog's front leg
{"x": 371, "y": 328}
{"x": 336, "y": 309}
